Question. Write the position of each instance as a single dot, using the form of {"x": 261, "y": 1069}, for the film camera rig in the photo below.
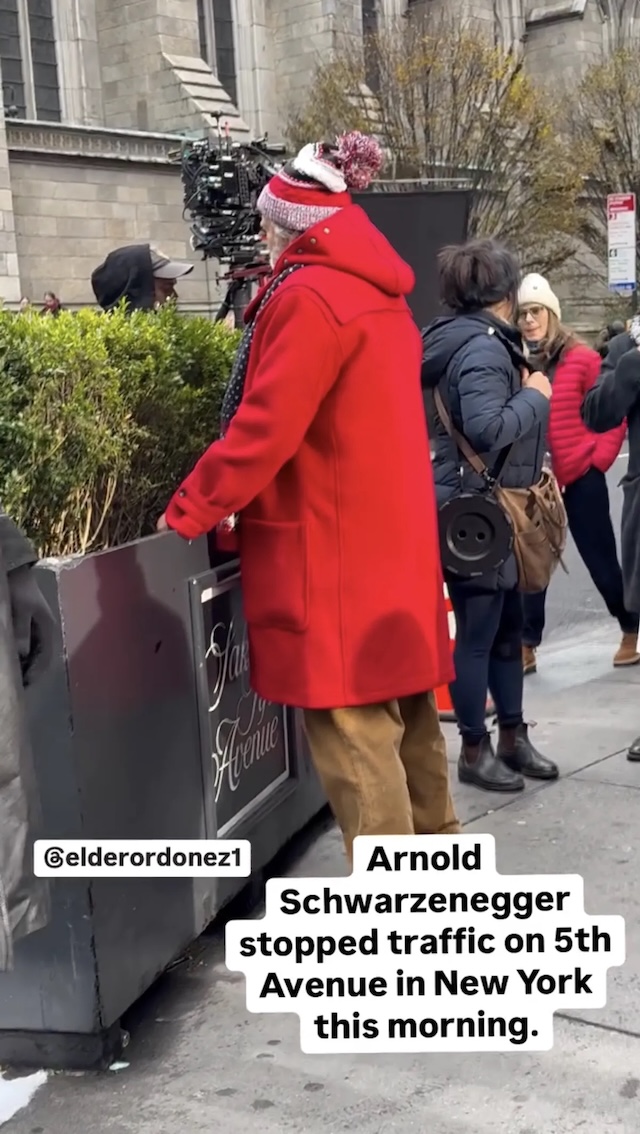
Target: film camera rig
{"x": 222, "y": 181}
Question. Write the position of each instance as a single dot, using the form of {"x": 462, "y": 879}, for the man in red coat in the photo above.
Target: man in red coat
{"x": 323, "y": 475}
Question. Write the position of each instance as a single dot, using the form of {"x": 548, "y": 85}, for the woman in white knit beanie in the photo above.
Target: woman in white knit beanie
{"x": 580, "y": 460}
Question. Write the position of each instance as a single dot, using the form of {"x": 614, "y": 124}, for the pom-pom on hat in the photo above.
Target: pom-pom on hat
{"x": 316, "y": 184}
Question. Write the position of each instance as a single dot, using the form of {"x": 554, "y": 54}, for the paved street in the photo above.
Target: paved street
{"x": 198, "y": 1061}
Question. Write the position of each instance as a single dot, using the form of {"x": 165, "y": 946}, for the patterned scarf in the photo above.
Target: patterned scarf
{"x": 234, "y": 392}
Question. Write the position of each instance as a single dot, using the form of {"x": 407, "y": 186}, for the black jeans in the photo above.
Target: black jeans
{"x": 587, "y": 504}
{"x": 488, "y": 655}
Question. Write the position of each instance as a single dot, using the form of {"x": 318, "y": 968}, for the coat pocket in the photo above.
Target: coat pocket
{"x": 275, "y": 574}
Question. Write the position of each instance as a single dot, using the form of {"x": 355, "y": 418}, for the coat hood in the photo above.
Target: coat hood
{"x": 349, "y": 242}
{"x": 446, "y": 335}
{"x": 127, "y": 273}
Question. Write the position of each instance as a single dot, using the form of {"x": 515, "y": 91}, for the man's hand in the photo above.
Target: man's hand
{"x": 162, "y": 525}
{"x": 537, "y": 381}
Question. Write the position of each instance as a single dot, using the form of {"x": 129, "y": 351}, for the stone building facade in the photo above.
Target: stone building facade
{"x": 97, "y": 92}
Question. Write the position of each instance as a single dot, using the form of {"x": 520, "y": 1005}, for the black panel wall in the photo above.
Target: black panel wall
{"x": 419, "y": 224}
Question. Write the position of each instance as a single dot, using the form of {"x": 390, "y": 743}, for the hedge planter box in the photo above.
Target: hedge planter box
{"x": 146, "y": 728}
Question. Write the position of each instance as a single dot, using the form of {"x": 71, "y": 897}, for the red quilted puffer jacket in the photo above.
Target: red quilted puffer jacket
{"x": 574, "y": 448}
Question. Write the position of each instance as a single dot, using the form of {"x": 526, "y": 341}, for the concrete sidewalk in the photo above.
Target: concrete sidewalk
{"x": 200, "y": 1062}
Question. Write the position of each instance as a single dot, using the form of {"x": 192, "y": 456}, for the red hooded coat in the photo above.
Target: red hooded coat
{"x": 327, "y": 460}
{"x": 574, "y": 448}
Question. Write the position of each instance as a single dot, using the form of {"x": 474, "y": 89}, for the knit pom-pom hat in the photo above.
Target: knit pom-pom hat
{"x": 316, "y": 183}
{"x": 536, "y": 289}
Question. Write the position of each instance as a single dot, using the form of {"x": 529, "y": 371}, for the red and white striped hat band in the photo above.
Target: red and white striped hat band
{"x": 300, "y": 208}
{"x": 308, "y": 190}
{"x": 316, "y": 184}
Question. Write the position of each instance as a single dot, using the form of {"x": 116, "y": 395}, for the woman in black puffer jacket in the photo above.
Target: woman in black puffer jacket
{"x": 472, "y": 357}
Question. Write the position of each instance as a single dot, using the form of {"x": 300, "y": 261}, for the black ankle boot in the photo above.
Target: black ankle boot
{"x": 479, "y": 765}
{"x": 518, "y": 753}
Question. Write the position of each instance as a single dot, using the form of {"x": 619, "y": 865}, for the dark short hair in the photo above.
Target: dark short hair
{"x": 477, "y": 274}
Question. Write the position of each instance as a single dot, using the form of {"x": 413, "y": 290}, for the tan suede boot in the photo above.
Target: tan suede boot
{"x": 628, "y": 651}
{"x": 529, "y": 660}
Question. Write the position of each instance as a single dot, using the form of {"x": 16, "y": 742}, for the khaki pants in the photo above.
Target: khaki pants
{"x": 384, "y": 768}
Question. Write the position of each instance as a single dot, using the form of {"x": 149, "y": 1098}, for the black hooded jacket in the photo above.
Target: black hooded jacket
{"x": 475, "y": 361}
{"x": 614, "y": 398}
{"x": 127, "y": 273}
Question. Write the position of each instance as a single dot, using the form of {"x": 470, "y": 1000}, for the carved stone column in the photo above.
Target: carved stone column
{"x": 257, "y": 94}
{"x": 79, "y": 62}
{"x": 510, "y": 22}
{"x": 9, "y": 268}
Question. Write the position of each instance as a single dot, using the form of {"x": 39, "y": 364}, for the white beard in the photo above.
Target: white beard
{"x": 281, "y": 241}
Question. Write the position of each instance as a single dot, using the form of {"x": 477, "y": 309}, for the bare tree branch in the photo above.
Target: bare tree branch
{"x": 453, "y": 107}
{"x": 604, "y": 126}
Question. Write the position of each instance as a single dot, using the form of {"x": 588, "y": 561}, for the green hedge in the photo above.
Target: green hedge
{"x": 101, "y": 416}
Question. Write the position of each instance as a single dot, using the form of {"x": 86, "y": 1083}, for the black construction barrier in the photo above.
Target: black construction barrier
{"x": 146, "y": 729}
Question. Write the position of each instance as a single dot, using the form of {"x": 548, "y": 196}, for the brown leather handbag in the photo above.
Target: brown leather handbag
{"x": 537, "y": 515}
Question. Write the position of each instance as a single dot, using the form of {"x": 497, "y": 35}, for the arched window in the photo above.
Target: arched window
{"x": 217, "y": 42}
{"x": 29, "y": 60}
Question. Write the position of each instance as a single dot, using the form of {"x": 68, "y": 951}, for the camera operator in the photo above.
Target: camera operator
{"x": 614, "y": 398}
{"x": 139, "y": 274}
{"x": 324, "y": 455}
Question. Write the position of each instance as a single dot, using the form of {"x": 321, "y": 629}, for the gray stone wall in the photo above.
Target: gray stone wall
{"x": 132, "y": 36}
{"x": 481, "y": 11}
{"x": 70, "y": 213}
{"x": 257, "y": 75}
{"x": 152, "y": 75}
{"x": 303, "y": 34}
{"x": 562, "y": 39}
{"x": 10, "y": 287}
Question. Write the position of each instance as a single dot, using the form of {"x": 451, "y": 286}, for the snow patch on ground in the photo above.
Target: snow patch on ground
{"x": 16, "y": 1094}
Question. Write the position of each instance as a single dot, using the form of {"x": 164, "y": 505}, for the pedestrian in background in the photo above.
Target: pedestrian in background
{"x": 52, "y": 305}
{"x": 140, "y": 276}
{"x": 580, "y": 460}
{"x": 614, "y": 398}
{"x": 473, "y": 358}
{"x": 607, "y": 335}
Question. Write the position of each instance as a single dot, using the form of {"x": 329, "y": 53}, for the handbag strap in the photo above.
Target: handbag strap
{"x": 490, "y": 477}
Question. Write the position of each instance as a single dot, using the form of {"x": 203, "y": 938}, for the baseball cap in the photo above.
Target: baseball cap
{"x": 164, "y": 268}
